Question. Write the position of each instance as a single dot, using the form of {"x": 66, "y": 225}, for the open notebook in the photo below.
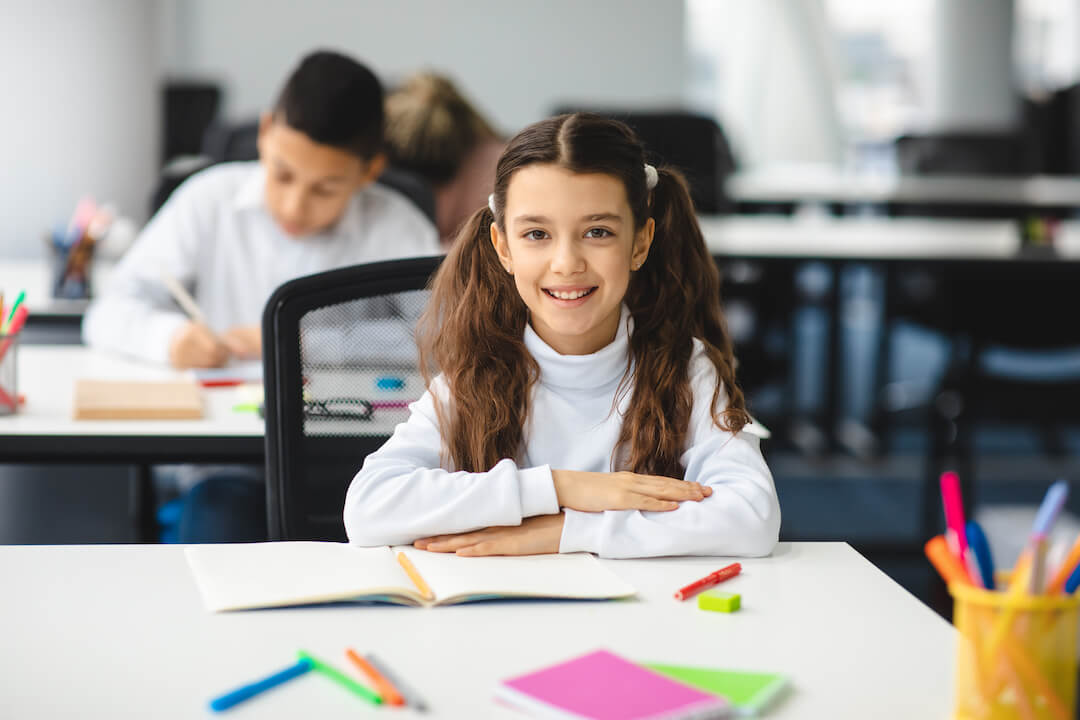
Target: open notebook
{"x": 278, "y": 574}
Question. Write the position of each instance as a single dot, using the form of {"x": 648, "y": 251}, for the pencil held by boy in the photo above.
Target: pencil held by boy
{"x": 233, "y": 233}
{"x": 582, "y": 392}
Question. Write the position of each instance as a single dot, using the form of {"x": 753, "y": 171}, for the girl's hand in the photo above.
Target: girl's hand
{"x": 534, "y": 536}
{"x": 596, "y": 491}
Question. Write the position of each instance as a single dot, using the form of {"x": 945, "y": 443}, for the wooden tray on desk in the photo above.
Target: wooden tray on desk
{"x": 124, "y": 400}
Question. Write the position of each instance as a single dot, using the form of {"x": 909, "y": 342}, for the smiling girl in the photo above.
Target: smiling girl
{"x": 585, "y": 395}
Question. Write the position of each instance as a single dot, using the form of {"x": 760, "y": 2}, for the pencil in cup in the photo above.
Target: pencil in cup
{"x": 1032, "y": 672}
{"x": 9, "y": 390}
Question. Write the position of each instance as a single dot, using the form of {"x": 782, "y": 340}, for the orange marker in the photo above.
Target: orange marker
{"x": 947, "y": 564}
{"x": 384, "y": 687}
{"x": 1057, "y": 582}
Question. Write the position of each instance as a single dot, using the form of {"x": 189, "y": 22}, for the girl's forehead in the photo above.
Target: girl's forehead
{"x": 553, "y": 189}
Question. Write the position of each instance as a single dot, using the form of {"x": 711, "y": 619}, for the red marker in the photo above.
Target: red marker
{"x": 709, "y": 580}
{"x": 222, "y": 382}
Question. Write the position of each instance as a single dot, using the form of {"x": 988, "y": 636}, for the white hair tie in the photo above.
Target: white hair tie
{"x": 491, "y": 203}
{"x": 651, "y": 176}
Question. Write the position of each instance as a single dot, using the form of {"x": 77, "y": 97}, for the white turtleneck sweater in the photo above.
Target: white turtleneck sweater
{"x": 403, "y": 492}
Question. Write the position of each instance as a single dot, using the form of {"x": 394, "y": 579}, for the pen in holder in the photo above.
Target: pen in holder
{"x": 69, "y": 262}
{"x": 1031, "y": 673}
{"x": 9, "y": 390}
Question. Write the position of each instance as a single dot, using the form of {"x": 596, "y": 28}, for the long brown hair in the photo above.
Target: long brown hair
{"x": 472, "y": 331}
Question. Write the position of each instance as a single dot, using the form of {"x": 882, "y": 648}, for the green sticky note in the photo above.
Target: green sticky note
{"x": 749, "y": 692}
{"x": 719, "y": 601}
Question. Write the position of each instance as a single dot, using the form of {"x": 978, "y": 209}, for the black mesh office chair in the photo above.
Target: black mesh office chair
{"x": 339, "y": 369}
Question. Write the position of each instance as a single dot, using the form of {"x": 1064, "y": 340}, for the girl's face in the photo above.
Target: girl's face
{"x": 571, "y": 245}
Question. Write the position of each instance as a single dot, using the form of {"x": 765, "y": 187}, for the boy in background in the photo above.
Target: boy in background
{"x": 233, "y": 233}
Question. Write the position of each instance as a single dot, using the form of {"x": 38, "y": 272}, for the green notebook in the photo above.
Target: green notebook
{"x": 749, "y": 692}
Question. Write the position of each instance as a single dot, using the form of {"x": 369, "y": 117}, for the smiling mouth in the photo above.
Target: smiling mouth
{"x": 570, "y": 294}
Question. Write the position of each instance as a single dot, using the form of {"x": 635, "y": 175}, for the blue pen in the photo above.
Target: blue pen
{"x": 1051, "y": 506}
{"x": 246, "y": 692}
{"x": 977, "y": 542}
{"x": 1073, "y": 582}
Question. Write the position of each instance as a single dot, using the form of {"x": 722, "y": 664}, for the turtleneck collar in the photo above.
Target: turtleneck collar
{"x": 597, "y": 370}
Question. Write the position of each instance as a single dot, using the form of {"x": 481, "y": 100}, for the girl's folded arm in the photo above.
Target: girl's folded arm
{"x": 740, "y": 518}
{"x": 403, "y": 492}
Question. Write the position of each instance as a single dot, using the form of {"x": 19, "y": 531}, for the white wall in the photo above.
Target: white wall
{"x": 515, "y": 60}
{"x": 79, "y": 112}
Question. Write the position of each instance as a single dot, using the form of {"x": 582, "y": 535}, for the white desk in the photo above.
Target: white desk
{"x": 44, "y": 429}
{"x": 819, "y": 184}
{"x": 884, "y": 239}
{"x": 120, "y": 632}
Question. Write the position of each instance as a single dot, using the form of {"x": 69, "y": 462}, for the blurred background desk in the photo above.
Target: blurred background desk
{"x": 792, "y": 186}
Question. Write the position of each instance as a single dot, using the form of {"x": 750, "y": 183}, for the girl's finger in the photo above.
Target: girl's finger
{"x": 487, "y": 547}
{"x": 646, "y": 502}
{"x": 454, "y": 542}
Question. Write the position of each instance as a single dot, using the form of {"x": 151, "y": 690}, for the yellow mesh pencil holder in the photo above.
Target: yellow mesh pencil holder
{"x": 1016, "y": 655}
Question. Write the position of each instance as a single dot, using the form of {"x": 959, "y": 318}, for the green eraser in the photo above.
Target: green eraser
{"x": 719, "y": 601}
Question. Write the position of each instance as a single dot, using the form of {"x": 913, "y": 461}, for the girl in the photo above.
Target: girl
{"x": 586, "y": 395}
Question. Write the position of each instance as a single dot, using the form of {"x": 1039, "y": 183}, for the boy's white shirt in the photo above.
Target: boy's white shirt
{"x": 217, "y": 238}
{"x": 404, "y": 492}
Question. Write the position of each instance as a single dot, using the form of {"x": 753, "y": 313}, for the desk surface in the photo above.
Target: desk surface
{"x": 47, "y": 375}
{"x": 44, "y": 429}
{"x": 119, "y": 631}
{"x": 799, "y": 184}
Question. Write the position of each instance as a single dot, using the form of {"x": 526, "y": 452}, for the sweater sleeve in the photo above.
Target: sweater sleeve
{"x": 402, "y": 493}
{"x": 135, "y": 315}
{"x": 740, "y": 518}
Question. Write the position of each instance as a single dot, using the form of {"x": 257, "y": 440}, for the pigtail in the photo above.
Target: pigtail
{"x": 675, "y": 297}
{"x": 472, "y": 333}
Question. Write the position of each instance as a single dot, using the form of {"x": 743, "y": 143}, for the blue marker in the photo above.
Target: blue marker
{"x": 1073, "y": 582}
{"x": 249, "y": 691}
{"x": 977, "y": 542}
{"x": 389, "y": 382}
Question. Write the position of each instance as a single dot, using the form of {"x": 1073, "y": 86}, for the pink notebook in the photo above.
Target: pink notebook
{"x": 603, "y": 686}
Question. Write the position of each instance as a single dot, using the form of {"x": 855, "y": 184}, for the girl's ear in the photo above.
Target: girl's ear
{"x": 642, "y": 242}
{"x": 502, "y": 248}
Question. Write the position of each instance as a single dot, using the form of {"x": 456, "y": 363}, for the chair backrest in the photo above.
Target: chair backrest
{"x": 695, "y": 144}
{"x": 339, "y": 368}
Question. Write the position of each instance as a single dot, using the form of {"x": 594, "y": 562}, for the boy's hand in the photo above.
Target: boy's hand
{"x": 597, "y": 491}
{"x": 195, "y": 346}
{"x": 244, "y": 342}
{"x": 534, "y": 536}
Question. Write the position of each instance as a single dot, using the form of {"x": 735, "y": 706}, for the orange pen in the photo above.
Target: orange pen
{"x": 384, "y": 687}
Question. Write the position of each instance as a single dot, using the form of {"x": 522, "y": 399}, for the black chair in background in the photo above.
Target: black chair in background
{"x": 188, "y": 109}
{"x": 339, "y": 367}
{"x": 695, "y": 144}
{"x": 1015, "y": 306}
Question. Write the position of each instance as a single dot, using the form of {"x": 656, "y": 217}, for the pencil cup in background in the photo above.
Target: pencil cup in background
{"x": 9, "y": 392}
{"x": 1031, "y": 673}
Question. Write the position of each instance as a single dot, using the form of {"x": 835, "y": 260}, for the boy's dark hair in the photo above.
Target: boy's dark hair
{"x": 335, "y": 101}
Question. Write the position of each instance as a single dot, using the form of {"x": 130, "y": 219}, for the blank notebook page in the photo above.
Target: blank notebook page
{"x": 603, "y": 686}
{"x": 287, "y": 573}
{"x": 574, "y": 575}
